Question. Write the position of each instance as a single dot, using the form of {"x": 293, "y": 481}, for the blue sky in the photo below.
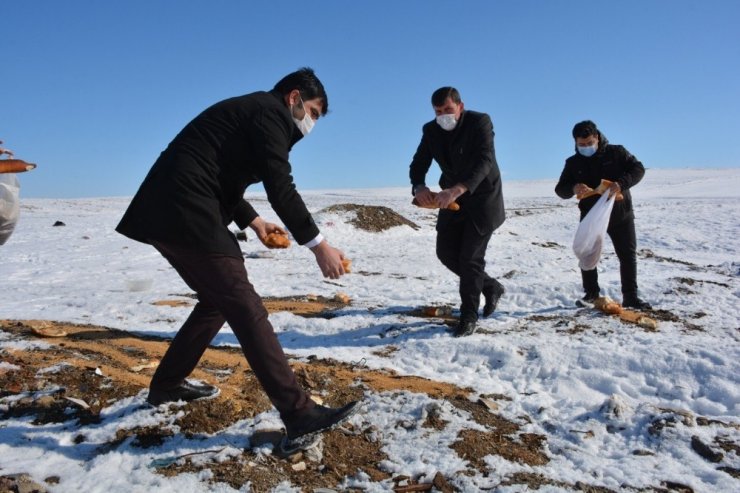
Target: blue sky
{"x": 93, "y": 91}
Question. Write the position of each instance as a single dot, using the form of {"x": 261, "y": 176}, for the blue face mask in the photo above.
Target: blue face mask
{"x": 587, "y": 151}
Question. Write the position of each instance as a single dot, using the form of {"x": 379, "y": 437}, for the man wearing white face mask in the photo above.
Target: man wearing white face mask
{"x": 184, "y": 207}
{"x": 595, "y": 159}
{"x": 461, "y": 142}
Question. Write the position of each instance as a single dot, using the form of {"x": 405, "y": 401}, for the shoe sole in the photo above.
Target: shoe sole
{"x": 303, "y": 442}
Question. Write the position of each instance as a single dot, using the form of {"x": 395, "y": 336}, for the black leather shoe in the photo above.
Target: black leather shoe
{"x": 635, "y": 302}
{"x": 318, "y": 419}
{"x": 492, "y": 295}
{"x": 590, "y": 297}
{"x": 465, "y": 328}
{"x": 186, "y": 391}
{"x": 588, "y": 300}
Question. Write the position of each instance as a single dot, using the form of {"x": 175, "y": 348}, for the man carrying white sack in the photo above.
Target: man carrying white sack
{"x": 596, "y": 160}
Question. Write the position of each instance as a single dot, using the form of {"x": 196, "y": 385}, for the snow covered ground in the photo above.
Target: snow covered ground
{"x": 593, "y": 391}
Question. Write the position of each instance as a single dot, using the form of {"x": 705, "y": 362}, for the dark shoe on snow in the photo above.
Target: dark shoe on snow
{"x": 637, "y": 303}
{"x": 588, "y": 300}
{"x": 289, "y": 447}
{"x": 492, "y": 294}
{"x": 301, "y": 429}
{"x": 465, "y": 328}
{"x": 186, "y": 391}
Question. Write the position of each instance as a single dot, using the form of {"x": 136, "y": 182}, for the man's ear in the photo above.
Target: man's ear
{"x": 292, "y": 97}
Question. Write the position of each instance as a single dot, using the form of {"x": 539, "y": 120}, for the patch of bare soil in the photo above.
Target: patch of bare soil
{"x": 577, "y": 322}
{"x": 93, "y": 367}
{"x": 372, "y": 218}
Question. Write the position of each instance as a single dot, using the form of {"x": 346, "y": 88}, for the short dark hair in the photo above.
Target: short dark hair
{"x": 308, "y": 85}
{"x": 440, "y": 96}
{"x": 584, "y": 129}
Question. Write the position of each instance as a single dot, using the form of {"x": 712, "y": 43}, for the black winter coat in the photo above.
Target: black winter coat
{"x": 610, "y": 162}
{"x": 196, "y": 187}
{"x": 465, "y": 155}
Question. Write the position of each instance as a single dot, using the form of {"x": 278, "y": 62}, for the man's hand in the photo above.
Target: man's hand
{"x": 449, "y": 195}
{"x": 5, "y": 151}
{"x": 329, "y": 260}
{"x": 615, "y": 189}
{"x": 581, "y": 188}
{"x": 424, "y": 197}
{"x": 262, "y": 228}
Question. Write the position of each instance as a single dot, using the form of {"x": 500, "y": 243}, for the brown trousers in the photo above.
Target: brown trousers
{"x": 226, "y": 295}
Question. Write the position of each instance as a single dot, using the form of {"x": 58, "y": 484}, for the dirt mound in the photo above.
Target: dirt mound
{"x": 372, "y": 218}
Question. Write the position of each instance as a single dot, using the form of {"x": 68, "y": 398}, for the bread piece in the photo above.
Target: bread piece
{"x": 15, "y": 166}
{"x": 639, "y": 319}
{"x": 607, "y": 305}
{"x": 276, "y": 240}
{"x": 347, "y": 265}
{"x": 436, "y": 311}
{"x": 603, "y": 187}
{"x": 454, "y": 206}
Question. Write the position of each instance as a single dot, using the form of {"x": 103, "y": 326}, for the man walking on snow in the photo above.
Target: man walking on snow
{"x": 461, "y": 142}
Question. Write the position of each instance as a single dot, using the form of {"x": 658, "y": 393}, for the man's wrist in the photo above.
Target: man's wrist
{"x": 418, "y": 187}
{"x": 315, "y": 242}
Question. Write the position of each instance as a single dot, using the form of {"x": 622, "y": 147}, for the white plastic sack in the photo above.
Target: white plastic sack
{"x": 591, "y": 233}
{"x": 9, "y": 205}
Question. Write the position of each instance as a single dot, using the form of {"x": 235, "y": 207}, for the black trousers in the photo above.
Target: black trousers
{"x": 226, "y": 295}
{"x": 462, "y": 249}
{"x": 625, "y": 246}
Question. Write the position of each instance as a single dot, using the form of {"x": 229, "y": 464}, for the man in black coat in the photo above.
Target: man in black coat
{"x": 184, "y": 207}
{"x": 461, "y": 142}
{"x": 595, "y": 159}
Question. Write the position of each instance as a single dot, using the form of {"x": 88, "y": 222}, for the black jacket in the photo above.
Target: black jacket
{"x": 465, "y": 155}
{"x": 610, "y": 162}
{"x": 196, "y": 187}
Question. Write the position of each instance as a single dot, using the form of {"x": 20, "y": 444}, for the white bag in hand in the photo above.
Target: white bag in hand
{"x": 591, "y": 233}
{"x": 9, "y": 205}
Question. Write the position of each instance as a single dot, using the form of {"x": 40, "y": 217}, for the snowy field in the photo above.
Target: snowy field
{"x": 593, "y": 393}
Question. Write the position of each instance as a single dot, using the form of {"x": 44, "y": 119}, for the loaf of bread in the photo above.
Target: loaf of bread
{"x": 603, "y": 187}
{"x": 15, "y": 166}
{"x": 607, "y": 305}
{"x": 454, "y": 206}
{"x": 276, "y": 240}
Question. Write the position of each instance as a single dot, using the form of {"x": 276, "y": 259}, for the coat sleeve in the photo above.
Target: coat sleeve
{"x": 483, "y": 154}
{"x": 633, "y": 169}
{"x": 564, "y": 188}
{"x": 244, "y": 214}
{"x": 272, "y": 143}
{"x": 421, "y": 162}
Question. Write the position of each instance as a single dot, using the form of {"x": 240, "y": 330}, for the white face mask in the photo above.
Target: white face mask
{"x": 304, "y": 125}
{"x": 587, "y": 151}
{"x": 447, "y": 121}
